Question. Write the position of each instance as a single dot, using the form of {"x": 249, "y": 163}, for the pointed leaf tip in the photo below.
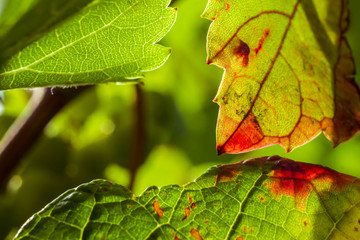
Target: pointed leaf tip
{"x": 220, "y": 150}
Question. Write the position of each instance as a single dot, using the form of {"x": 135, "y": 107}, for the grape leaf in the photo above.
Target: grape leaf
{"x": 108, "y": 41}
{"x": 289, "y": 73}
{"x": 22, "y": 22}
{"x": 262, "y": 198}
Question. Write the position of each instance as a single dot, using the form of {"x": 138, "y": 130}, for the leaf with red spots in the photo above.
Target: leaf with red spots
{"x": 289, "y": 73}
{"x": 262, "y": 198}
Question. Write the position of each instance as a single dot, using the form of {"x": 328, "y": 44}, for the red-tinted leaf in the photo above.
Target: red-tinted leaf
{"x": 288, "y": 73}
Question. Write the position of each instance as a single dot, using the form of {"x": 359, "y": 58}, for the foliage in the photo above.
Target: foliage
{"x": 22, "y": 22}
{"x": 91, "y": 138}
{"x": 262, "y": 198}
{"x": 288, "y": 73}
{"x": 102, "y": 43}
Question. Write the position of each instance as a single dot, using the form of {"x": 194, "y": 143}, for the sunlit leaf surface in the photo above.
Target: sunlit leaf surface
{"x": 22, "y": 22}
{"x": 108, "y": 41}
{"x": 262, "y": 198}
{"x": 288, "y": 73}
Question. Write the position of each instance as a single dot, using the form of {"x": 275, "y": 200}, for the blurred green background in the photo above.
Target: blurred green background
{"x": 91, "y": 138}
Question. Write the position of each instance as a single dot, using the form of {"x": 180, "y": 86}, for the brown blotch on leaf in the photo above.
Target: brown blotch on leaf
{"x": 187, "y": 213}
{"x": 239, "y": 238}
{"x": 195, "y": 234}
{"x": 193, "y": 205}
{"x": 157, "y": 209}
{"x": 356, "y": 229}
{"x": 227, "y": 172}
{"x": 262, "y": 198}
{"x": 346, "y": 120}
{"x": 251, "y": 229}
{"x": 242, "y": 51}
{"x": 359, "y": 221}
{"x": 244, "y": 229}
{"x": 190, "y": 199}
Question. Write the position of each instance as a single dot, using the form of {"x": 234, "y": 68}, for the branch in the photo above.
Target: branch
{"x": 139, "y": 134}
{"x": 28, "y": 127}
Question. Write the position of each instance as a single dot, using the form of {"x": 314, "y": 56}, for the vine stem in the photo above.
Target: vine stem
{"x": 28, "y": 127}
{"x": 139, "y": 135}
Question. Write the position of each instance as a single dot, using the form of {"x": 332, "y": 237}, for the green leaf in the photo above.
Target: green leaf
{"x": 289, "y": 73}
{"x": 108, "y": 41}
{"x": 262, "y": 198}
{"x": 22, "y": 22}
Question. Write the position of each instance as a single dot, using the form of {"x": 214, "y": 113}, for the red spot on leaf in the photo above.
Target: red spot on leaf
{"x": 195, "y": 234}
{"x": 262, "y": 198}
{"x": 240, "y": 238}
{"x": 305, "y": 223}
{"x": 262, "y": 40}
{"x": 244, "y": 229}
{"x": 157, "y": 209}
{"x": 297, "y": 179}
{"x": 187, "y": 213}
{"x": 227, "y": 7}
{"x": 247, "y": 134}
{"x": 242, "y": 51}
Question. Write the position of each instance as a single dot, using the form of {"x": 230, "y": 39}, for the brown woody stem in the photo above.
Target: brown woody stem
{"x": 139, "y": 134}
{"x": 28, "y": 127}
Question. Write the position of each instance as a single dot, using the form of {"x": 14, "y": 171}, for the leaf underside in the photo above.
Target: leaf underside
{"x": 289, "y": 73}
{"x": 107, "y": 41}
{"x": 263, "y": 198}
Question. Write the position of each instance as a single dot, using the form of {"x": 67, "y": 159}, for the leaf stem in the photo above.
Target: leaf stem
{"x": 139, "y": 134}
